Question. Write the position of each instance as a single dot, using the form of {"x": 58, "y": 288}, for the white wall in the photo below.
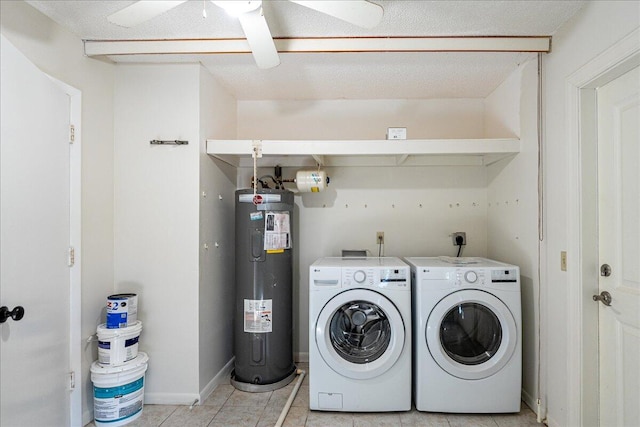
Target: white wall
{"x": 156, "y": 227}
{"x": 174, "y": 224}
{"x": 596, "y": 27}
{"x": 354, "y": 119}
{"x": 218, "y": 119}
{"x": 512, "y": 230}
{"x": 59, "y": 53}
{"x": 416, "y": 207}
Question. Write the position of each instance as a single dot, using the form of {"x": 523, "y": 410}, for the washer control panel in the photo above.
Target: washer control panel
{"x": 504, "y": 276}
{"x": 358, "y": 276}
{"x": 394, "y": 278}
{"x": 381, "y": 277}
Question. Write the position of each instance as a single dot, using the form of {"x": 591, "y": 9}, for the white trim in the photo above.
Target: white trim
{"x": 87, "y": 415}
{"x": 529, "y": 400}
{"x": 75, "y": 241}
{"x": 221, "y": 377}
{"x": 171, "y": 398}
{"x": 582, "y": 240}
{"x": 320, "y": 45}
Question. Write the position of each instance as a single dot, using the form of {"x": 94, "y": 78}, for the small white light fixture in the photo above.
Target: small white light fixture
{"x": 237, "y": 7}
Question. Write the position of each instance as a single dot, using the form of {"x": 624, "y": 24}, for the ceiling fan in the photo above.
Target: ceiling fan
{"x": 249, "y": 12}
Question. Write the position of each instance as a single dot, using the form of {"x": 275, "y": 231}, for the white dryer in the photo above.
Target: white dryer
{"x": 360, "y": 335}
{"x": 467, "y": 337}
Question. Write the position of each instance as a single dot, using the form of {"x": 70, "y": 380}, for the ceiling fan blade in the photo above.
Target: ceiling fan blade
{"x": 142, "y": 11}
{"x": 358, "y": 12}
{"x": 259, "y": 38}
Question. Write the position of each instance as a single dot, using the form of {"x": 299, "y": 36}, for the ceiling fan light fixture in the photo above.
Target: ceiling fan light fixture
{"x": 238, "y": 7}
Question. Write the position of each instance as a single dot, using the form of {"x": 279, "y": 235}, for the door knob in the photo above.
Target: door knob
{"x": 16, "y": 314}
{"x": 604, "y": 297}
{"x": 605, "y": 270}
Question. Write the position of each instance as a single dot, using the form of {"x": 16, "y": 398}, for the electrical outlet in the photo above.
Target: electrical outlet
{"x": 461, "y": 234}
{"x": 380, "y": 237}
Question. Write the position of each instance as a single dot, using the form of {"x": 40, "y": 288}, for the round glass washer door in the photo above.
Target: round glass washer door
{"x": 360, "y": 334}
{"x": 471, "y": 334}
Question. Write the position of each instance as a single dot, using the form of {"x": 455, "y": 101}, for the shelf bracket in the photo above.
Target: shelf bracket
{"x": 401, "y": 159}
{"x": 319, "y": 159}
{"x": 257, "y": 149}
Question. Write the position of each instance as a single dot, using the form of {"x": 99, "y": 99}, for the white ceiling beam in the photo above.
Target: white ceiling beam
{"x": 321, "y": 45}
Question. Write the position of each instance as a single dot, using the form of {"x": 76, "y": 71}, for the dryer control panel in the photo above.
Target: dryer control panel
{"x": 469, "y": 276}
{"x": 480, "y": 277}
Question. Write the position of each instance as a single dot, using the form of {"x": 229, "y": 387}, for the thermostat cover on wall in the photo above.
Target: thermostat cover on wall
{"x": 397, "y": 133}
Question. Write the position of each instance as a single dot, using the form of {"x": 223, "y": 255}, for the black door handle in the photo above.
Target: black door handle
{"x": 16, "y": 314}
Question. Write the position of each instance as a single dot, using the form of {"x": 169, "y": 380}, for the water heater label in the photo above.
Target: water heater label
{"x": 258, "y": 315}
{"x": 277, "y": 231}
{"x": 265, "y": 198}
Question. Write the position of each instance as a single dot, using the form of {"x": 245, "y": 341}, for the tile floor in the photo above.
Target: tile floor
{"x": 228, "y": 407}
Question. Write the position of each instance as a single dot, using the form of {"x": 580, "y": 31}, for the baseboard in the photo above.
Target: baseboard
{"x": 532, "y": 403}
{"x": 552, "y": 423}
{"x": 87, "y": 416}
{"x": 529, "y": 400}
{"x": 220, "y": 378}
{"x": 301, "y": 357}
{"x": 170, "y": 398}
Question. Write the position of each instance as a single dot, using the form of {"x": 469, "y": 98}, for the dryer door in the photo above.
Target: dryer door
{"x": 471, "y": 334}
{"x": 360, "y": 334}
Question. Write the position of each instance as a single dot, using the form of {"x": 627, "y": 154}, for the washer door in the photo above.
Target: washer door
{"x": 360, "y": 334}
{"x": 471, "y": 334}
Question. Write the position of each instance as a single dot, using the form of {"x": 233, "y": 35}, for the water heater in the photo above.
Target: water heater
{"x": 263, "y": 325}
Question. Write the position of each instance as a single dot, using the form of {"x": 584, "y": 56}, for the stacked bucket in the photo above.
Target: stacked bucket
{"x": 118, "y": 374}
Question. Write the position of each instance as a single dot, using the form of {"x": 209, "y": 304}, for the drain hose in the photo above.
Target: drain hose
{"x": 292, "y": 396}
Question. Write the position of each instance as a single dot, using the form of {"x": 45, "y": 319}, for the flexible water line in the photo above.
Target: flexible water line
{"x": 292, "y": 396}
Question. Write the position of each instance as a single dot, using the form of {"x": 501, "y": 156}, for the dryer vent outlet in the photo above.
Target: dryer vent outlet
{"x": 457, "y": 236}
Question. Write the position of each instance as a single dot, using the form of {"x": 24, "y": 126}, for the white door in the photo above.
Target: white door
{"x": 34, "y": 225}
{"x": 619, "y": 240}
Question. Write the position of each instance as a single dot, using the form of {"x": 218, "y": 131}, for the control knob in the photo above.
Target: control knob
{"x": 471, "y": 276}
{"x": 359, "y": 276}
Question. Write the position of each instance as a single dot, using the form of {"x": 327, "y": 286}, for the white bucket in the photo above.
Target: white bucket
{"x": 122, "y": 310}
{"x": 118, "y": 346}
{"x": 118, "y": 391}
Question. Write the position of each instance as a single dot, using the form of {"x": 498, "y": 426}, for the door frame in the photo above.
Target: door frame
{"x": 75, "y": 241}
{"x": 582, "y": 209}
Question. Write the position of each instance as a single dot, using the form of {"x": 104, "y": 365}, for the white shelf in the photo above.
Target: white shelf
{"x": 410, "y": 152}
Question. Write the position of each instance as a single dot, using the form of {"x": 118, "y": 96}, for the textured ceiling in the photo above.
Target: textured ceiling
{"x": 344, "y": 75}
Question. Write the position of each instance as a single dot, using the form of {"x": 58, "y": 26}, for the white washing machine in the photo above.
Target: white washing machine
{"x": 360, "y": 335}
{"x": 467, "y": 335}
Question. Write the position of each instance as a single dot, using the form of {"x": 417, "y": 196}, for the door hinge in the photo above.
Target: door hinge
{"x": 72, "y": 380}
{"x": 72, "y": 256}
{"x": 72, "y": 134}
